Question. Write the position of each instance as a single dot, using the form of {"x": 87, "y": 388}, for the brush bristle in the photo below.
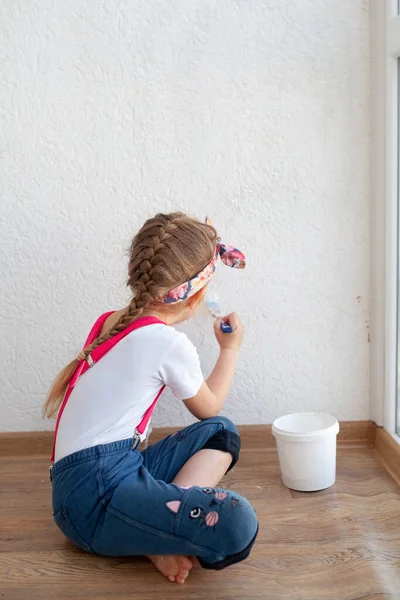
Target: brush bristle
{"x": 212, "y": 305}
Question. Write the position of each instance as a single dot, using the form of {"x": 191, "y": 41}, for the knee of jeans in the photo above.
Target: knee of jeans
{"x": 224, "y": 421}
{"x": 227, "y": 441}
{"x": 243, "y": 527}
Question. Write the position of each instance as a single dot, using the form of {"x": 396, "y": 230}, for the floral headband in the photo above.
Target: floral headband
{"x": 230, "y": 256}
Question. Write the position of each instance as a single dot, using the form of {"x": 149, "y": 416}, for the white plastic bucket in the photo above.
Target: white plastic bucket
{"x": 307, "y": 450}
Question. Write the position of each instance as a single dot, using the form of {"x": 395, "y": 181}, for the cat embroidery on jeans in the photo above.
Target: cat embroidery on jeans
{"x": 222, "y": 496}
{"x": 209, "y": 518}
{"x": 219, "y": 495}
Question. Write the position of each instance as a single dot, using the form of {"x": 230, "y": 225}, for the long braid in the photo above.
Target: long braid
{"x": 142, "y": 267}
{"x": 162, "y": 255}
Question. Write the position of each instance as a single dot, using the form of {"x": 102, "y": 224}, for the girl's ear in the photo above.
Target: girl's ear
{"x": 197, "y": 298}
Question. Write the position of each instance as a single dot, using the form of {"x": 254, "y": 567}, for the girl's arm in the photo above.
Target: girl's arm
{"x": 212, "y": 394}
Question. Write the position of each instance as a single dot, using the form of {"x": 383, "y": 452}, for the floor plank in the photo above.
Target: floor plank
{"x": 340, "y": 544}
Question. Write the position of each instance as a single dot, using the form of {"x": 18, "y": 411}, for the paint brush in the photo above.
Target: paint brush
{"x": 212, "y": 303}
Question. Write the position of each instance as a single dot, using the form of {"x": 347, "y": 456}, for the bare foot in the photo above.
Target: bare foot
{"x": 175, "y": 568}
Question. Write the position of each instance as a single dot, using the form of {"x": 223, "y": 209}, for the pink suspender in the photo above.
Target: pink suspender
{"x": 95, "y": 356}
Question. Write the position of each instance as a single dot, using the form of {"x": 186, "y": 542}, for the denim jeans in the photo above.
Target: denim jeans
{"x": 116, "y": 501}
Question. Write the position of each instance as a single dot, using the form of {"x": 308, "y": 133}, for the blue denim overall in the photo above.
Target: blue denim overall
{"x": 114, "y": 500}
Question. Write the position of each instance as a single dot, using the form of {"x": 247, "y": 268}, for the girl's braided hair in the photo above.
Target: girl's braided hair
{"x": 167, "y": 251}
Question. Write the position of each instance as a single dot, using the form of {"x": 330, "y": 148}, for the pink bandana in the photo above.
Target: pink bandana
{"x": 230, "y": 256}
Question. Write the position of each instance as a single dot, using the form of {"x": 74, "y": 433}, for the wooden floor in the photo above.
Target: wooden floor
{"x": 343, "y": 543}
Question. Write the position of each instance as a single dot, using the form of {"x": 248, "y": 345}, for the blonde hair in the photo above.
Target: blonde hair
{"x": 167, "y": 251}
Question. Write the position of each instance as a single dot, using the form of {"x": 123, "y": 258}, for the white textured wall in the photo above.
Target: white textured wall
{"x": 252, "y": 111}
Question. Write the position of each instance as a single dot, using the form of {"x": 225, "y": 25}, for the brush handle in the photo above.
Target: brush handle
{"x": 226, "y": 328}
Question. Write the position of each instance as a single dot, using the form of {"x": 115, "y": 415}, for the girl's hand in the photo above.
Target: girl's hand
{"x": 229, "y": 340}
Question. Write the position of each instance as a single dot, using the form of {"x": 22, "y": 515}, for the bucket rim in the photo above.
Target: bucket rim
{"x": 279, "y": 432}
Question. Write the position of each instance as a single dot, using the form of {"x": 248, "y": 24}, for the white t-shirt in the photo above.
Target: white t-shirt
{"x": 110, "y": 399}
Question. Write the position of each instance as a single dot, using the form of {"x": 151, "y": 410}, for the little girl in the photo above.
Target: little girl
{"x": 112, "y": 499}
